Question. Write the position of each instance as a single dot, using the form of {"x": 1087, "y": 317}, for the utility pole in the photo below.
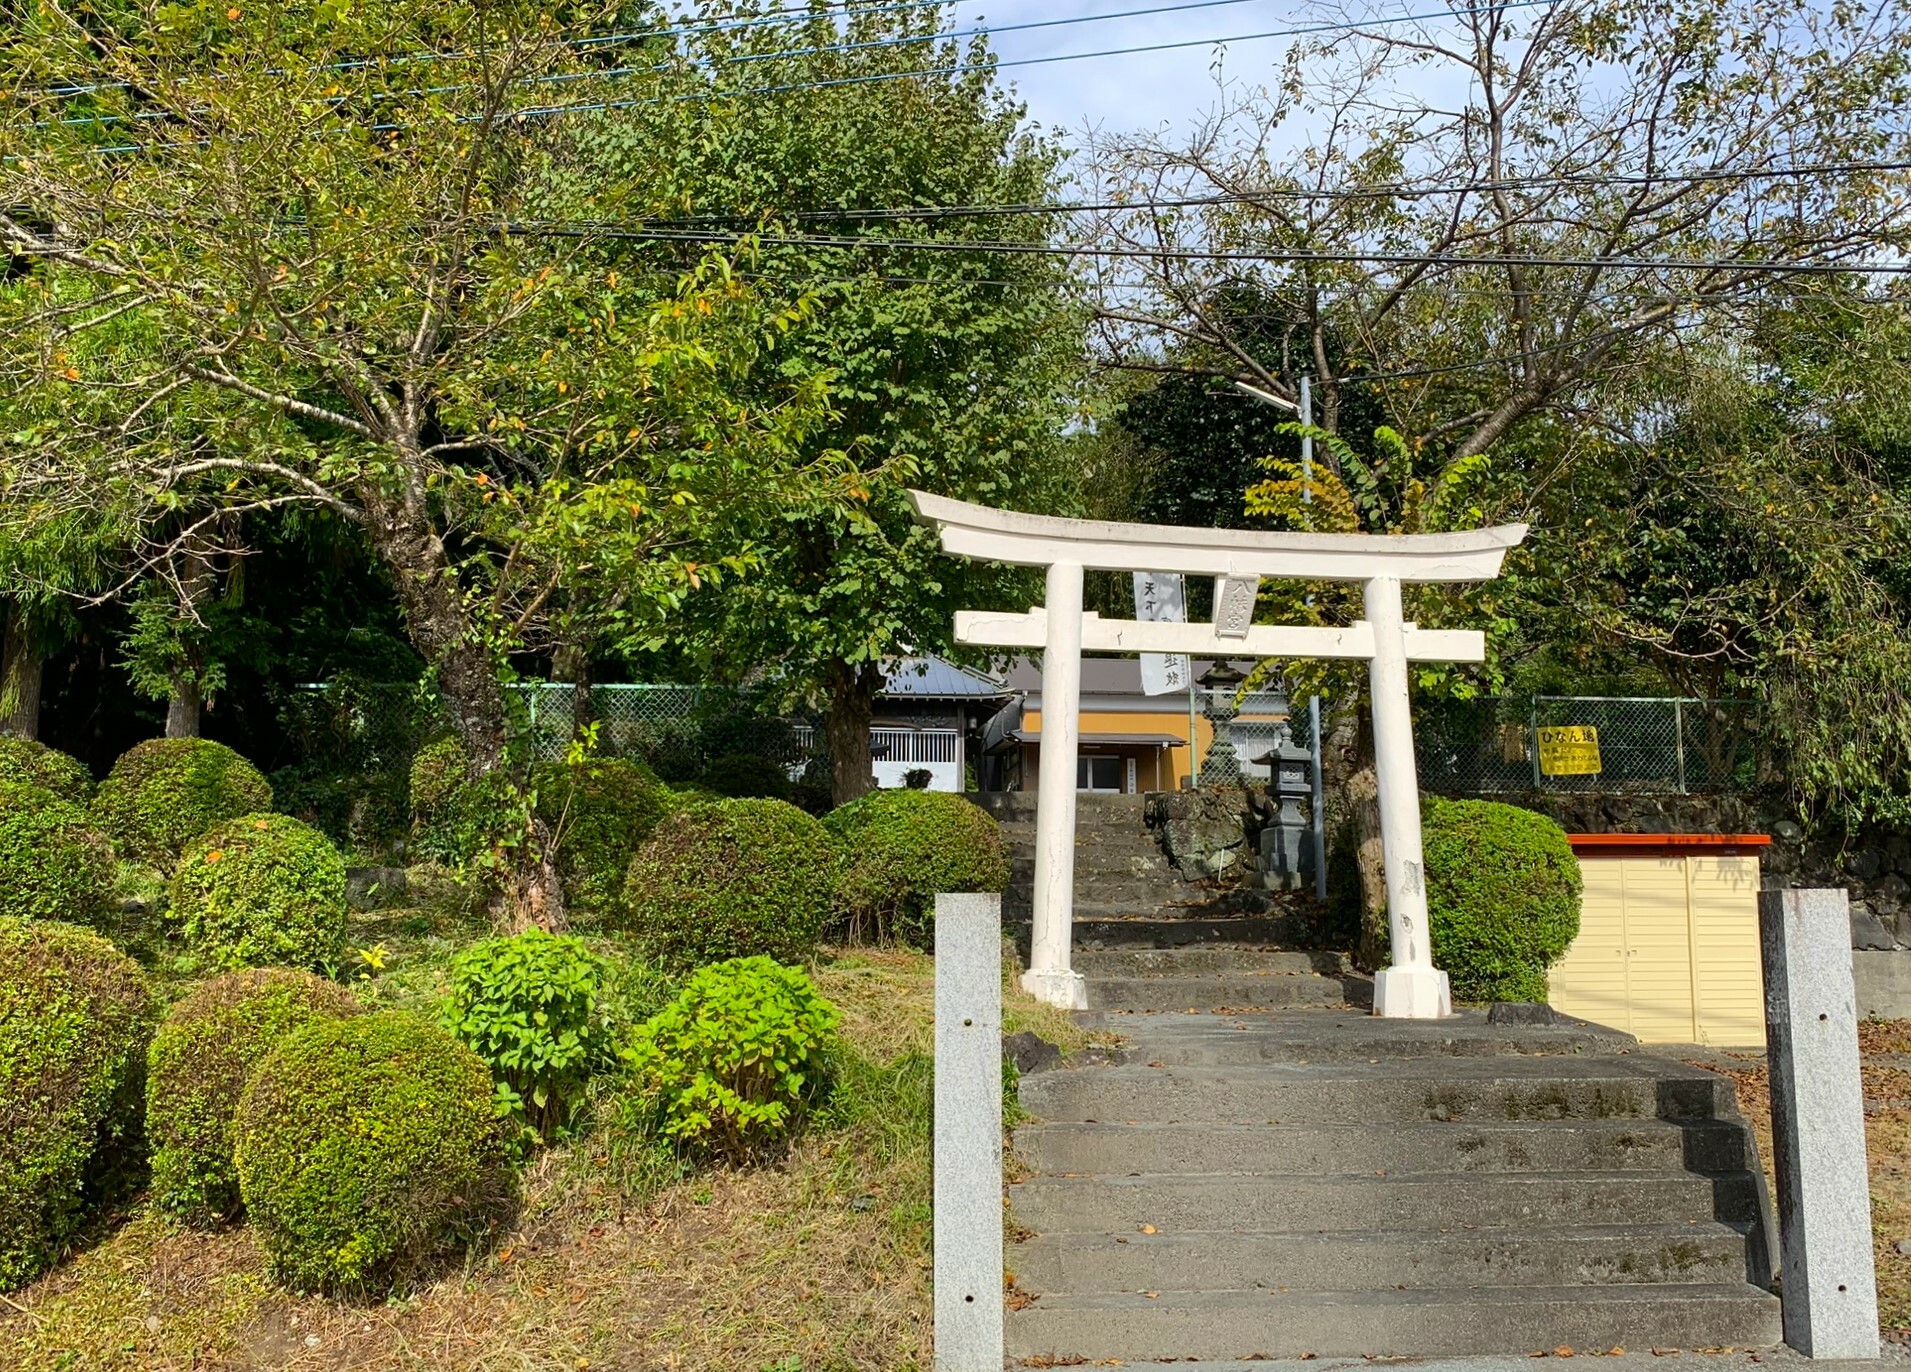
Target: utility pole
{"x": 1318, "y": 802}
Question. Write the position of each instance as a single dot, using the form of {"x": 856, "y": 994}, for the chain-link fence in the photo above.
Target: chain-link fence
{"x": 680, "y": 731}
{"x": 355, "y": 741}
{"x": 1595, "y": 744}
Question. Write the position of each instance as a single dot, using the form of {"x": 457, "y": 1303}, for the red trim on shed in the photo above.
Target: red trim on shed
{"x": 1667, "y": 845}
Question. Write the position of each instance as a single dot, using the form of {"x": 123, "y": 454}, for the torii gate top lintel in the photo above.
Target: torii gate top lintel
{"x": 990, "y": 535}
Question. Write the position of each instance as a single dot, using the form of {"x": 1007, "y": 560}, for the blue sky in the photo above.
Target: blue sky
{"x": 1142, "y": 91}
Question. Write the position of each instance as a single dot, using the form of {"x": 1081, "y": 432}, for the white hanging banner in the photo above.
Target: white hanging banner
{"x": 1162, "y": 596}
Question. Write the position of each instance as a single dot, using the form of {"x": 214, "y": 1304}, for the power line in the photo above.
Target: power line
{"x": 997, "y": 64}
{"x": 829, "y": 9}
{"x": 557, "y": 78}
{"x": 958, "y": 69}
{"x": 1295, "y": 257}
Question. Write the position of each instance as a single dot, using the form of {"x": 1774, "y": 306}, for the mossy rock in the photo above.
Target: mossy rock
{"x": 55, "y": 863}
{"x": 75, "y": 1020}
{"x": 201, "y": 1058}
{"x": 366, "y": 1147}
{"x": 164, "y": 793}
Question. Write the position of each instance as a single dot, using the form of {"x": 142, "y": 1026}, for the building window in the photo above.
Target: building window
{"x": 1098, "y": 774}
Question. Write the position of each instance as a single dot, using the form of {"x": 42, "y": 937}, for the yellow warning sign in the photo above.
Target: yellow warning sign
{"x": 1569, "y": 750}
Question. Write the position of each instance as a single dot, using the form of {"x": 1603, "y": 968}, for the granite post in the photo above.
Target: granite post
{"x": 1818, "y": 1125}
{"x": 968, "y": 1159}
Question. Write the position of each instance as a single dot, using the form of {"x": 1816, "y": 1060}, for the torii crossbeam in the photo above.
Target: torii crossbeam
{"x": 1238, "y": 560}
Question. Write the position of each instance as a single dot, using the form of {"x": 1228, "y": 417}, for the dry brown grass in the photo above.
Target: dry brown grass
{"x": 1886, "y": 1050}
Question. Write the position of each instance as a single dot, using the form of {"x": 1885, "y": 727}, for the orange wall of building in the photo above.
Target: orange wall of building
{"x": 1173, "y": 761}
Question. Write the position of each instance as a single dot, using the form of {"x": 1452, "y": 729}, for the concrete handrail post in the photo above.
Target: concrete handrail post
{"x": 968, "y": 1147}
{"x": 1411, "y": 987}
{"x": 1818, "y": 1125}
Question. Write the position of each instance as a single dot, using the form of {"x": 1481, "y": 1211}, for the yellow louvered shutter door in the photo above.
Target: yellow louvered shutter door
{"x": 1658, "y": 949}
{"x": 1725, "y": 951}
{"x": 1590, "y": 980}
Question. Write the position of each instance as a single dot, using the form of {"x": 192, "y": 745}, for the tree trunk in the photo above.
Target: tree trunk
{"x": 1363, "y": 799}
{"x": 852, "y": 703}
{"x": 182, "y": 711}
{"x": 441, "y": 628}
{"x": 572, "y": 664}
{"x": 21, "y": 670}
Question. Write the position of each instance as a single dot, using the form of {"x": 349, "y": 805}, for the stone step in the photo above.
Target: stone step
{"x": 1329, "y": 1149}
{"x": 1406, "y": 1201}
{"x": 1444, "y": 1089}
{"x": 1215, "y": 1039}
{"x": 1143, "y": 861}
{"x": 1224, "y": 1325}
{"x": 1268, "y": 990}
{"x": 1624, "y": 1255}
{"x": 1166, "y": 929}
{"x": 1226, "y": 963}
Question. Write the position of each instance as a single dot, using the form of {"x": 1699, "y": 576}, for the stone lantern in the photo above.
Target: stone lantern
{"x": 1287, "y": 850}
{"x": 1221, "y": 767}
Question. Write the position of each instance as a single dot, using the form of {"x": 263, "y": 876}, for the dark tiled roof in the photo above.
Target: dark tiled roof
{"x": 930, "y": 678}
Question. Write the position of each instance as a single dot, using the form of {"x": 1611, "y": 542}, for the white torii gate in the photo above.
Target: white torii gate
{"x": 1411, "y": 988}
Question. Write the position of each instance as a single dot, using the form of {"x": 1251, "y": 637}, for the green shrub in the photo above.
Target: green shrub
{"x": 601, "y": 811}
{"x": 54, "y": 864}
{"x": 166, "y": 792}
{"x": 902, "y": 847}
{"x": 34, "y": 764}
{"x": 437, "y": 771}
{"x": 745, "y": 775}
{"x": 262, "y": 891}
{"x": 75, "y": 1018}
{"x": 1502, "y": 897}
{"x": 730, "y": 878}
{"x": 197, "y": 1068}
{"x": 458, "y": 818}
{"x": 733, "y": 1064}
{"x": 366, "y": 1146}
{"x": 528, "y": 1006}
{"x": 363, "y": 812}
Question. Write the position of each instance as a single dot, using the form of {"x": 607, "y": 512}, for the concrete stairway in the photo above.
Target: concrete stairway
{"x": 1321, "y": 1182}
{"x": 1127, "y": 894}
{"x": 1271, "y": 1173}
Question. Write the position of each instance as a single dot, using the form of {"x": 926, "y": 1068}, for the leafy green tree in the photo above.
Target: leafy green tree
{"x": 951, "y": 370}
{"x": 303, "y": 284}
{"x": 1740, "y": 528}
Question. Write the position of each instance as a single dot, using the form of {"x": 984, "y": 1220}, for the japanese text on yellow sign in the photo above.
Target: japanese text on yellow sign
{"x": 1569, "y": 750}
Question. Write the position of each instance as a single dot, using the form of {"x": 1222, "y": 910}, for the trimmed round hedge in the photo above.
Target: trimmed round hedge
{"x": 365, "y": 1147}
{"x": 602, "y": 810}
{"x": 34, "y": 764}
{"x": 164, "y": 793}
{"x": 197, "y": 1068}
{"x": 54, "y": 864}
{"x": 455, "y": 816}
{"x": 262, "y": 891}
{"x": 1503, "y": 892}
{"x": 732, "y": 878}
{"x": 900, "y": 847}
{"x": 75, "y": 1019}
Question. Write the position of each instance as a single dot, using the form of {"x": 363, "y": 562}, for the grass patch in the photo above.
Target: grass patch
{"x": 819, "y": 1263}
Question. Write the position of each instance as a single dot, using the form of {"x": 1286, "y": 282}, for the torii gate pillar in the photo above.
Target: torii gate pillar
{"x": 1411, "y": 987}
